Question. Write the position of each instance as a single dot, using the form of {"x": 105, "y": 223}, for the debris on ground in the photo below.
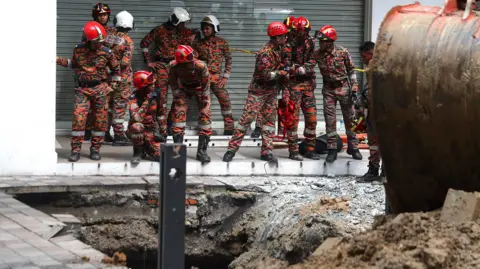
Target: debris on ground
{"x": 118, "y": 259}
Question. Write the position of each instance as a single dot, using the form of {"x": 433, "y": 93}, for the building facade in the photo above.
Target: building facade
{"x": 53, "y": 27}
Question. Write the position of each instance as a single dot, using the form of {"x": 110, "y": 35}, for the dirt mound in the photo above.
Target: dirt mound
{"x": 411, "y": 240}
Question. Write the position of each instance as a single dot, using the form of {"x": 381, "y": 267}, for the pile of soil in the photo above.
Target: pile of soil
{"x": 410, "y": 240}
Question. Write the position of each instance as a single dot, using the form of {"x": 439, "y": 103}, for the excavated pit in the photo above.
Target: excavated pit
{"x": 228, "y": 228}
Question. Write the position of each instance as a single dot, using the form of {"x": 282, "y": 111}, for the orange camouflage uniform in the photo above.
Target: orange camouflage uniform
{"x": 213, "y": 51}
{"x": 91, "y": 112}
{"x": 336, "y": 68}
{"x": 141, "y": 127}
{"x": 165, "y": 39}
{"x": 122, "y": 47}
{"x": 262, "y": 98}
{"x": 184, "y": 83}
{"x": 301, "y": 91}
{"x": 92, "y": 71}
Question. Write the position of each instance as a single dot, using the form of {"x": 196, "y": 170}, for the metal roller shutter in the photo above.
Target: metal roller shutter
{"x": 243, "y": 24}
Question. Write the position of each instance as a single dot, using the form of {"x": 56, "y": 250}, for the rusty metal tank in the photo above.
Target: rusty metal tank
{"x": 425, "y": 80}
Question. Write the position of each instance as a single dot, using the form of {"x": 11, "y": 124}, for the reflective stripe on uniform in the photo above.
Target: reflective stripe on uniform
{"x": 206, "y": 126}
{"x": 145, "y": 50}
{"x": 268, "y": 128}
{"x": 160, "y": 117}
{"x": 96, "y": 133}
{"x": 179, "y": 124}
{"x": 240, "y": 127}
{"x": 116, "y": 78}
{"x": 69, "y": 63}
{"x": 78, "y": 133}
{"x": 292, "y": 133}
{"x": 137, "y": 117}
{"x": 309, "y": 131}
{"x": 334, "y": 133}
{"x": 226, "y": 112}
{"x": 373, "y": 147}
{"x": 118, "y": 121}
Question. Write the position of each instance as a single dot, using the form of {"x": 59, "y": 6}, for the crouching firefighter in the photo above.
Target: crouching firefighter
{"x": 92, "y": 63}
{"x": 362, "y": 109}
{"x": 143, "y": 110}
{"x": 262, "y": 94}
{"x": 189, "y": 77}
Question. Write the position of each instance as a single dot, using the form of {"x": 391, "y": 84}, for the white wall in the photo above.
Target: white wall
{"x": 381, "y": 7}
{"x": 27, "y": 113}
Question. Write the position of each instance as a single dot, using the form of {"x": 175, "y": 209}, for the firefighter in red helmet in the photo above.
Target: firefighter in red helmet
{"x": 143, "y": 110}
{"x": 262, "y": 93}
{"x": 101, "y": 14}
{"x": 297, "y": 54}
{"x": 94, "y": 64}
{"x": 339, "y": 85}
{"x": 258, "y": 123}
{"x": 188, "y": 77}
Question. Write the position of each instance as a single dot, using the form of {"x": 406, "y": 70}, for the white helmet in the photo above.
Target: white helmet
{"x": 212, "y": 20}
{"x": 124, "y": 19}
{"x": 179, "y": 15}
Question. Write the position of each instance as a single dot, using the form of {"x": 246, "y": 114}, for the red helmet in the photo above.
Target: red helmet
{"x": 184, "y": 54}
{"x": 141, "y": 79}
{"x": 99, "y": 9}
{"x": 289, "y": 21}
{"x": 301, "y": 23}
{"x": 94, "y": 31}
{"x": 276, "y": 29}
{"x": 328, "y": 33}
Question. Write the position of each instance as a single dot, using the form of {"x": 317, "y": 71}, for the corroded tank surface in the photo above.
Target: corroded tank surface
{"x": 425, "y": 79}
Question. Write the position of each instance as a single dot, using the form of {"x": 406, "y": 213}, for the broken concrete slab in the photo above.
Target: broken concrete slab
{"x": 461, "y": 206}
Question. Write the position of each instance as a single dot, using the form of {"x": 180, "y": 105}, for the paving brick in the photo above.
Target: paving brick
{"x": 30, "y": 252}
{"x": 460, "y": 206}
{"x": 46, "y": 262}
{"x": 66, "y": 218}
{"x": 328, "y": 244}
{"x": 5, "y": 237}
{"x": 28, "y": 267}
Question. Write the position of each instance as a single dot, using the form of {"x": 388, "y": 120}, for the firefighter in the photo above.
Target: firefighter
{"x": 189, "y": 77}
{"x": 165, "y": 39}
{"x": 213, "y": 50}
{"x": 101, "y": 14}
{"x": 262, "y": 94}
{"x": 339, "y": 84}
{"x": 258, "y": 123}
{"x": 361, "y": 105}
{"x": 298, "y": 53}
{"x": 121, "y": 44}
{"x": 143, "y": 110}
{"x": 92, "y": 63}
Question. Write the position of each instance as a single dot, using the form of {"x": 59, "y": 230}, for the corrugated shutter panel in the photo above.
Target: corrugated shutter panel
{"x": 243, "y": 24}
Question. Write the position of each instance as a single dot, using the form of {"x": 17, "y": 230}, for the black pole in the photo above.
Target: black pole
{"x": 171, "y": 221}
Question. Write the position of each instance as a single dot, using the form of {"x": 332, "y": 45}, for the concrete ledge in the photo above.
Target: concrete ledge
{"x": 252, "y": 167}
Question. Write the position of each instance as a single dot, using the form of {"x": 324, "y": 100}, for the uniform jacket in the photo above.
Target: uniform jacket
{"x": 213, "y": 51}
{"x": 142, "y": 110}
{"x": 181, "y": 77}
{"x": 336, "y": 66}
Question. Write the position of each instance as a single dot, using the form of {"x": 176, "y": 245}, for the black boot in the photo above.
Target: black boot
{"x": 371, "y": 175}
{"x": 137, "y": 154}
{"x": 331, "y": 156}
{"x": 88, "y": 135}
{"x": 268, "y": 157}
{"x": 202, "y": 155}
{"x": 158, "y": 137}
{"x": 228, "y": 157}
{"x": 121, "y": 140}
{"x": 95, "y": 155}
{"x": 178, "y": 138}
{"x": 356, "y": 155}
{"x": 257, "y": 132}
{"x": 311, "y": 154}
{"x": 228, "y": 132}
{"x": 74, "y": 156}
{"x": 108, "y": 137}
{"x": 295, "y": 156}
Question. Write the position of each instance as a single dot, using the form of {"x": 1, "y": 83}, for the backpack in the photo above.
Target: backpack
{"x": 320, "y": 145}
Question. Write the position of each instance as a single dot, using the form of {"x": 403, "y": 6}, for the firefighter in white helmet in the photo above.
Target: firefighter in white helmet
{"x": 215, "y": 51}
{"x": 165, "y": 40}
{"x": 121, "y": 44}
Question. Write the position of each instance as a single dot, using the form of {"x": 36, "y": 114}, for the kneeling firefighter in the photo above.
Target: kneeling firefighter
{"x": 143, "y": 110}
